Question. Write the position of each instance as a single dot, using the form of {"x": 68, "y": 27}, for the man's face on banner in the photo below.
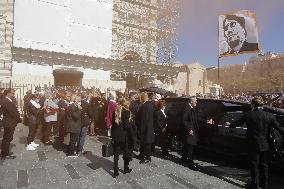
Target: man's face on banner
{"x": 234, "y": 33}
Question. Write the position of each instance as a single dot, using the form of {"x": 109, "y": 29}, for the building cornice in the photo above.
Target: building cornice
{"x": 128, "y": 67}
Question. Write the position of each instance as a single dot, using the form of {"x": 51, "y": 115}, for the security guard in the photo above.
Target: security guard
{"x": 259, "y": 124}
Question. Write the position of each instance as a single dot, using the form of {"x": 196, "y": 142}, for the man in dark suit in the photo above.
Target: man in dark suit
{"x": 146, "y": 128}
{"x": 259, "y": 124}
{"x": 189, "y": 132}
{"x": 72, "y": 124}
{"x": 86, "y": 115}
{"x": 11, "y": 117}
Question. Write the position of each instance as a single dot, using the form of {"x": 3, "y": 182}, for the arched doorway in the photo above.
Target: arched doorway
{"x": 67, "y": 77}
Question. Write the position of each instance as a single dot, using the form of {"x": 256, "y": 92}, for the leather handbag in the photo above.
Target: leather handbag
{"x": 107, "y": 149}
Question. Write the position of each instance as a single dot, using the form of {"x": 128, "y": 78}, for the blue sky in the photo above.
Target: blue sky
{"x": 198, "y": 21}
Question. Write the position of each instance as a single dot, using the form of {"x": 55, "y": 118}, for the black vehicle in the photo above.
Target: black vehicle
{"x": 219, "y": 137}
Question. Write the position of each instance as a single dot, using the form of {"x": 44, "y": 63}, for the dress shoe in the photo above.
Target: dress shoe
{"x": 253, "y": 186}
{"x": 184, "y": 159}
{"x": 193, "y": 167}
{"x": 127, "y": 170}
{"x": 74, "y": 154}
{"x": 140, "y": 156}
{"x": 8, "y": 157}
{"x": 115, "y": 175}
{"x": 165, "y": 153}
{"x": 144, "y": 161}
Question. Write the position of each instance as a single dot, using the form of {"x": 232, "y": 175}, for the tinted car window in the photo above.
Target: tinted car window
{"x": 175, "y": 108}
{"x": 231, "y": 117}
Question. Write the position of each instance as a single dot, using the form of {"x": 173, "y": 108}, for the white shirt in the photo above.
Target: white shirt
{"x": 9, "y": 98}
{"x": 163, "y": 111}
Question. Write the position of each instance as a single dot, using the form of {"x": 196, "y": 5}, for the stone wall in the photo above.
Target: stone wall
{"x": 135, "y": 29}
{"x": 6, "y": 38}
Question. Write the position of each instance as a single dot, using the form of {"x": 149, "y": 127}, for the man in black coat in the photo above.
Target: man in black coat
{"x": 146, "y": 128}
{"x": 189, "y": 132}
{"x": 259, "y": 124}
{"x": 72, "y": 124}
{"x": 63, "y": 105}
{"x": 11, "y": 117}
{"x": 86, "y": 115}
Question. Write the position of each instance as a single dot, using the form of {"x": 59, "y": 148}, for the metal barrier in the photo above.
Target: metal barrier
{"x": 20, "y": 91}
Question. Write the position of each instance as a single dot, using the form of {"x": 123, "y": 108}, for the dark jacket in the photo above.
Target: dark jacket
{"x": 86, "y": 113}
{"x": 146, "y": 123}
{"x": 160, "y": 121}
{"x": 134, "y": 108}
{"x": 61, "y": 110}
{"x": 94, "y": 109}
{"x": 121, "y": 132}
{"x": 32, "y": 114}
{"x": 72, "y": 122}
{"x": 1, "y": 112}
{"x": 11, "y": 115}
{"x": 190, "y": 123}
{"x": 259, "y": 124}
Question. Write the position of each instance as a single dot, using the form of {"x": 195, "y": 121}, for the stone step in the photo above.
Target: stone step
{"x": 5, "y": 69}
{"x": 5, "y": 73}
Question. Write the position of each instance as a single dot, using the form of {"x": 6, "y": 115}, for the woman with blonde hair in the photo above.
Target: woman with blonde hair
{"x": 121, "y": 135}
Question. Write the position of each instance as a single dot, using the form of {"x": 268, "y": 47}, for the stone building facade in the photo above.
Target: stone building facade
{"x": 6, "y": 38}
{"x": 135, "y": 30}
{"x": 132, "y": 63}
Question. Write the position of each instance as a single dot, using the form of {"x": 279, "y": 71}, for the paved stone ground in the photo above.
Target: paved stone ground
{"x": 48, "y": 168}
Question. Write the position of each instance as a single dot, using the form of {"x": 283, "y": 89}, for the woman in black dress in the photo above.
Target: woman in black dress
{"x": 122, "y": 135}
{"x": 161, "y": 127}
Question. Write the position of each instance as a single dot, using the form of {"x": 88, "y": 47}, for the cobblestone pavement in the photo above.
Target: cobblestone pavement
{"x": 48, "y": 168}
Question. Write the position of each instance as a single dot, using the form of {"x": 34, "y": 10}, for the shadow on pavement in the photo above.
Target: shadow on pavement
{"x": 99, "y": 162}
{"x": 216, "y": 170}
{"x": 104, "y": 140}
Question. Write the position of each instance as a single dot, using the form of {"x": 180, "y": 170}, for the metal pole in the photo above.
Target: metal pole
{"x": 218, "y": 54}
{"x": 218, "y": 68}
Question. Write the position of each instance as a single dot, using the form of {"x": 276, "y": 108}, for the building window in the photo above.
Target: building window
{"x": 199, "y": 83}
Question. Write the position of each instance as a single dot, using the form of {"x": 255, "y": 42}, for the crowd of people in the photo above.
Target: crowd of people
{"x": 274, "y": 99}
{"x": 67, "y": 116}
{"x": 136, "y": 121}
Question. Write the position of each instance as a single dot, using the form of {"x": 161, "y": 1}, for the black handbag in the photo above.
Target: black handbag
{"x": 107, "y": 149}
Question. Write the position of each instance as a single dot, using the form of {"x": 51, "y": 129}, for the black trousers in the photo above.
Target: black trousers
{"x": 7, "y": 139}
{"x": 163, "y": 141}
{"x": 145, "y": 151}
{"x": 32, "y": 132}
{"x": 119, "y": 148}
{"x": 187, "y": 152}
{"x": 74, "y": 139}
{"x": 46, "y": 130}
{"x": 259, "y": 169}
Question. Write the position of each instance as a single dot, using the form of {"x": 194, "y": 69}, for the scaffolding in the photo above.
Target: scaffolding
{"x": 145, "y": 30}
